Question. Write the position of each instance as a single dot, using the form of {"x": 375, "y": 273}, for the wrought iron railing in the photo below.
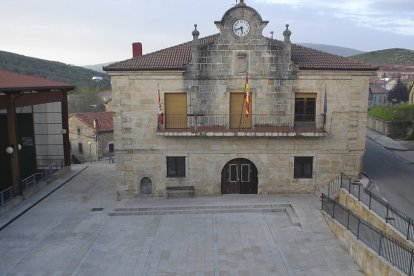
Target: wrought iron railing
{"x": 396, "y": 253}
{"x": 242, "y": 121}
{"x": 402, "y": 222}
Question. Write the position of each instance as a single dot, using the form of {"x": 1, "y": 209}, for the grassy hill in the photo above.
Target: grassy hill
{"x": 75, "y": 75}
{"x": 387, "y": 56}
{"x": 336, "y": 50}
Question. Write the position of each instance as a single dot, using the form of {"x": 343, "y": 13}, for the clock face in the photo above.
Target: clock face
{"x": 241, "y": 27}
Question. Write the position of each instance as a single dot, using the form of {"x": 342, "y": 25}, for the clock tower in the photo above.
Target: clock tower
{"x": 241, "y": 24}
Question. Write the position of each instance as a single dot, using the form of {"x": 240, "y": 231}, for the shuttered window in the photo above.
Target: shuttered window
{"x": 238, "y": 118}
{"x": 175, "y": 110}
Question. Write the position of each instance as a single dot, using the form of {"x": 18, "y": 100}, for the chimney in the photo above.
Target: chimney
{"x": 136, "y": 49}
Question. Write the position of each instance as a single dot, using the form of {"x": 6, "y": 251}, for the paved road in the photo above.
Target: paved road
{"x": 393, "y": 175}
{"x": 63, "y": 236}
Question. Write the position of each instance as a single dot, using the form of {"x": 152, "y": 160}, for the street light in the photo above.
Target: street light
{"x": 96, "y": 126}
{"x": 90, "y": 152}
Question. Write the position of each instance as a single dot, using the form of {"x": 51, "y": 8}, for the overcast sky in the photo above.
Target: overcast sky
{"x": 84, "y": 32}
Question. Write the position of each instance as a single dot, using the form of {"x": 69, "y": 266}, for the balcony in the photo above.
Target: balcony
{"x": 256, "y": 125}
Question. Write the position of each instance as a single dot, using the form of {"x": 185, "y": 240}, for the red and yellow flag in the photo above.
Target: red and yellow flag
{"x": 246, "y": 96}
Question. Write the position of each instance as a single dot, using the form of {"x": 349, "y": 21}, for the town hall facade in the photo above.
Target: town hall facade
{"x": 240, "y": 113}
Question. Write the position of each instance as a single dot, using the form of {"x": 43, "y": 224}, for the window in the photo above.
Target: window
{"x": 80, "y": 148}
{"x": 245, "y": 173}
{"x": 303, "y": 167}
{"x": 79, "y": 131}
{"x": 305, "y": 107}
{"x": 234, "y": 173}
{"x": 111, "y": 147}
{"x": 175, "y": 166}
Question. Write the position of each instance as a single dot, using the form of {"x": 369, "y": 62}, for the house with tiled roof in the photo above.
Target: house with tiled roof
{"x": 237, "y": 113}
{"x": 91, "y": 136}
{"x": 378, "y": 95}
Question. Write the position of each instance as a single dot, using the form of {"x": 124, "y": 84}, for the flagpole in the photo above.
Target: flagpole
{"x": 325, "y": 108}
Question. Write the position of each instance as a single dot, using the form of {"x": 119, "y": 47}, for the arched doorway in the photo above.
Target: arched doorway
{"x": 145, "y": 186}
{"x": 239, "y": 176}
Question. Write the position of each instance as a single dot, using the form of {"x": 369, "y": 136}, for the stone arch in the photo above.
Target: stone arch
{"x": 239, "y": 176}
{"x": 145, "y": 185}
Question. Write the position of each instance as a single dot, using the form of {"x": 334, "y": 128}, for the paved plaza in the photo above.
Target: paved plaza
{"x": 81, "y": 229}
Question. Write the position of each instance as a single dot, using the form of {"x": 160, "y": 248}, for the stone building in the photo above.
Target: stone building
{"x": 91, "y": 135}
{"x": 378, "y": 95}
{"x": 304, "y": 126}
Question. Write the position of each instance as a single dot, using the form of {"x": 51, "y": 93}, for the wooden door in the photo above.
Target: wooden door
{"x": 239, "y": 176}
{"x": 176, "y": 110}
{"x": 238, "y": 117}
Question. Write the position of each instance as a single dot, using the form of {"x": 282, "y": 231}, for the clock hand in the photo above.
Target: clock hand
{"x": 239, "y": 29}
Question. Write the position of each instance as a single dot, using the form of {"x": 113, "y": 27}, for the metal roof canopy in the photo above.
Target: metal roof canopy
{"x": 18, "y": 90}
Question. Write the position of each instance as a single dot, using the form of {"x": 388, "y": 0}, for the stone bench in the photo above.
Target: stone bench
{"x": 178, "y": 191}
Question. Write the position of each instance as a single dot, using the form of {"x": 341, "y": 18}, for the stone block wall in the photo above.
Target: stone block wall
{"x": 363, "y": 212}
{"x": 141, "y": 152}
{"x": 367, "y": 259}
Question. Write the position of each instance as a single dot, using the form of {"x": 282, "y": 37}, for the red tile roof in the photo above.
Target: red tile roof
{"x": 105, "y": 120}
{"x": 176, "y": 57}
{"x": 15, "y": 82}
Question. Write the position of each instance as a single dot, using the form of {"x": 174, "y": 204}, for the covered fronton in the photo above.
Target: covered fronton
{"x": 14, "y": 82}
{"x": 176, "y": 57}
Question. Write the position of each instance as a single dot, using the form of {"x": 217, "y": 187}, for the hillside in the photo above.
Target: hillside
{"x": 78, "y": 76}
{"x": 98, "y": 67}
{"x": 336, "y": 50}
{"x": 387, "y": 56}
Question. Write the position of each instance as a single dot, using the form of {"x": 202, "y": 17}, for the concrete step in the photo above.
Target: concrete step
{"x": 211, "y": 209}
{"x": 201, "y": 208}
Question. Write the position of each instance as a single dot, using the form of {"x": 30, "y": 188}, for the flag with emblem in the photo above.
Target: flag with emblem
{"x": 160, "y": 113}
{"x": 247, "y": 96}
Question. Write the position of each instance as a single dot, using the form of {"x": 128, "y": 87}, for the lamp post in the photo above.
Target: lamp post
{"x": 90, "y": 151}
{"x": 96, "y": 126}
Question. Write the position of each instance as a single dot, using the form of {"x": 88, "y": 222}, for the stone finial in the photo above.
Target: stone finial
{"x": 287, "y": 34}
{"x": 241, "y": 3}
{"x": 271, "y": 34}
{"x": 195, "y": 33}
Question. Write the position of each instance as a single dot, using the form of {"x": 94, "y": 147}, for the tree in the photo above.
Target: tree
{"x": 399, "y": 93}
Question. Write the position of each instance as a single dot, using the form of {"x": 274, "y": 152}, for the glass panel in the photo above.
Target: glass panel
{"x": 307, "y": 169}
{"x": 176, "y": 166}
{"x": 245, "y": 173}
{"x": 234, "y": 173}
{"x": 303, "y": 167}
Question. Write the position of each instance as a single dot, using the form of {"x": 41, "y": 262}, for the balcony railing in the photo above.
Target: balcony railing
{"x": 217, "y": 124}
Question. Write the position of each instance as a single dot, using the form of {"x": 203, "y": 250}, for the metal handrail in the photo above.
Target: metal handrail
{"x": 398, "y": 254}
{"x": 6, "y": 195}
{"x": 398, "y": 219}
{"x": 30, "y": 181}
